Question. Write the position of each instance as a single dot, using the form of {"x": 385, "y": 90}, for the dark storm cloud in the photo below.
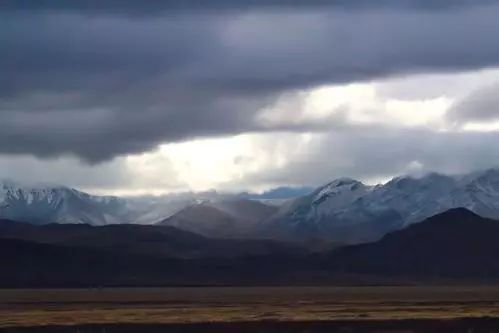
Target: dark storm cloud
{"x": 134, "y": 7}
{"x": 101, "y": 85}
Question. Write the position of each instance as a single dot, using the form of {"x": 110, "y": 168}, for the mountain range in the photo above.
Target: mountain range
{"x": 342, "y": 211}
{"x": 349, "y": 211}
{"x": 46, "y": 204}
{"x": 42, "y": 204}
{"x": 148, "y": 240}
{"x": 456, "y": 245}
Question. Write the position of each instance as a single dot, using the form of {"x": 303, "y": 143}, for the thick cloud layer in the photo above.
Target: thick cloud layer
{"x": 79, "y": 80}
{"x": 379, "y": 154}
{"x": 481, "y": 105}
{"x": 132, "y": 7}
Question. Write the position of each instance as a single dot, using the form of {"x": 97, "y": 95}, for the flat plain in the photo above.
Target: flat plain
{"x": 79, "y": 307}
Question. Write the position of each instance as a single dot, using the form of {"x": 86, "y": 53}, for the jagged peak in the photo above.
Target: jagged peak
{"x": 341, "y": 186}
{"x": 17, "y": 189}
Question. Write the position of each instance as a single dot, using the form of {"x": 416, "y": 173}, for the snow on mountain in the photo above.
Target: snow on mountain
{"x": 41, "y": 204}
{"x": 338, "y": 194}
{"x": 414, "y": 199}
{"x": 344, "y": 210}
{"x": 479, "y": 192}
{"x": 347, "y": 210}
{"x": 323, "y": 201}
{"x": 50, "y": 204}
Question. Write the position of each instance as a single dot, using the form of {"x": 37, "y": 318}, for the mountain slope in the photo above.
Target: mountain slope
{"x": 326, "y": 213}
{"x": 204, "y": 219}
{"x": 31, "y": 264}
{"x": 59, "y": 255}
{"x": 41, "y": 204}
{"x": 454, "y": 244}
{"x": 48, "y": 204}
{"x": 155, "y": 241}
{"x": 227, "y": 218}
{"x": 349, "y": 211}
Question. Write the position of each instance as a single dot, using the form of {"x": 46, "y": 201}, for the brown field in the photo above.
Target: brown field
{"x": 38, "y": 307}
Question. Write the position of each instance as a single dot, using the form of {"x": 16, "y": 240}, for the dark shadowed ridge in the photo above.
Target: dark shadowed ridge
{"x": 131, "y": 255}
{"x": 144, "y": 240}
{"x": 455, "y": 244}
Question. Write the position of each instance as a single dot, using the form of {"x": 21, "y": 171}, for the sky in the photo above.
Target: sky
{"x": 150, "y": 97}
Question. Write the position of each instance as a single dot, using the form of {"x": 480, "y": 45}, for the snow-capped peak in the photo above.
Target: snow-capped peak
{"x": 45, "y": 203}
{"x": 346, "y": 203}
{"x": 10, "y": 190}
{"x": 338, "y": 187}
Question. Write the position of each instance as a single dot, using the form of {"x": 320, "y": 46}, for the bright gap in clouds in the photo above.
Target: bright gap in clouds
{"x": 481, "y": 126}
{"x": 237, "y": 162}
{"x": 221, "y": 163}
